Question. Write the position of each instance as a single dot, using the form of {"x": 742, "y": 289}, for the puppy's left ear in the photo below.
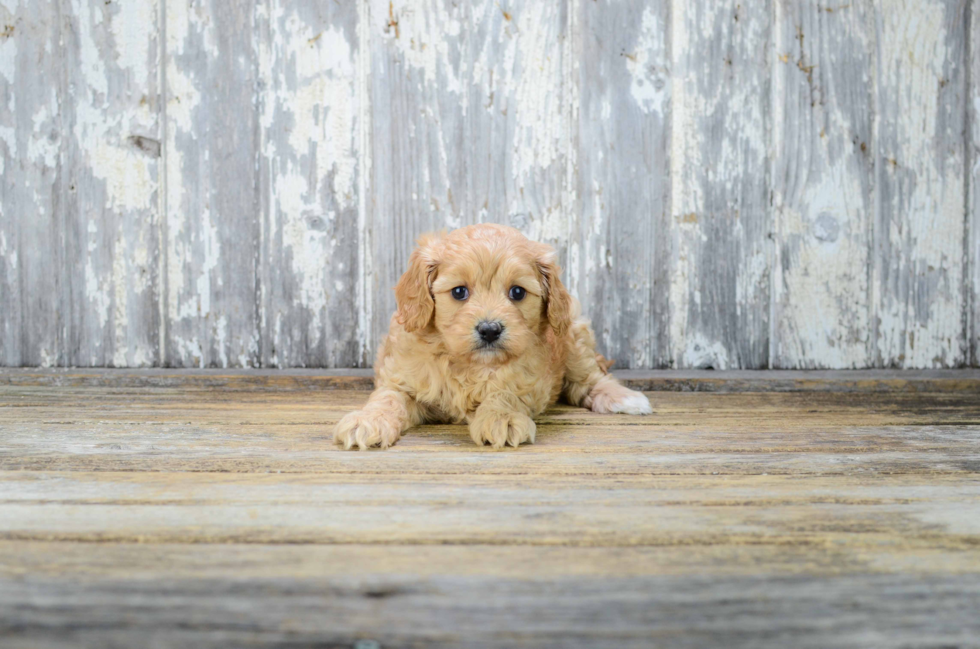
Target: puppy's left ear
{"x": 558, "y": 302}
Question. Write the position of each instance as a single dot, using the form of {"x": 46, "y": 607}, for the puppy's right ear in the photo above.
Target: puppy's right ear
{"x": 413, "y": 292}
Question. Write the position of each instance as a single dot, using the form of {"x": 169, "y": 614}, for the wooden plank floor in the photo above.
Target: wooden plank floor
{"x": 168, "y": 509}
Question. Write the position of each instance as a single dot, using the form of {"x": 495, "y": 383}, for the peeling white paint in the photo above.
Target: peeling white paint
{"x": 649, "y": 88}
{"x": 822, "y": 189}
{"x": 95, "y": 289}
{"x": 424, "y": 34}
{"x": 700, "y": 352}
{"x": 115, "y": 42}
{"x": 825, "y": 320}
{"x": 309, "y": 118}
{"x": 133, "y": 28}
{"x": 539, "y": 129}
{"x": 917, "y": 329}
{"x": 193, "y": 245}
{"x": 316, "y": 138}
{"x": 712, "y": 175}
{"x": 44, "y": 143}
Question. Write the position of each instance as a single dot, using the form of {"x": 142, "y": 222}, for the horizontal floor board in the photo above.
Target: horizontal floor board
{"x": 855, "y": 610}
{"x": 208, "y": 508}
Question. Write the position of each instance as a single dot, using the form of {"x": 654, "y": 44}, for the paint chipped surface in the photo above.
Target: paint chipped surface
{"x": 309, "y": 119}
{"x": 921, "y": 172}
{"x": 116, "y": 182}
{"x": 719, "y": 284}
{"x": 32, "y": 325}
{"x": 617, "y": 263}
{"x": 306, "y": 145}
{"x": 213, "y": 225}
{"x": 822, "y": 186}
{"x": 648, "y": 64}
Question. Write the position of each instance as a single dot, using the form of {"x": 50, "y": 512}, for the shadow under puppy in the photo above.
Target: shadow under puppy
{"x": 484, "y": 333}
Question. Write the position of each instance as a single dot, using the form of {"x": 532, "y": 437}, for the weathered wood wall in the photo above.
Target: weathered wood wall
{"x": 783, "y": 183}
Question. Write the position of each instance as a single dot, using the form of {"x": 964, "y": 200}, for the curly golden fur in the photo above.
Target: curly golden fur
{"x": 435, "y": 365}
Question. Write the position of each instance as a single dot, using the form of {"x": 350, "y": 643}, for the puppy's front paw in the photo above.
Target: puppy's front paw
{"x": 608, "y": 396}
{"x": 498, "y": 429}
{"x": 365, "y": 429}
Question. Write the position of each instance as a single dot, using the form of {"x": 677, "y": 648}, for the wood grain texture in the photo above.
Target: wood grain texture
{"x": 619, "y": 256}
{"x": 468, "y": 125}
{"x": 449, "y": 611}
{"x": 609, "y": 511}
{"x": 785, "y": 184}
{"x": 309, "y": 65}
{"x": 719, "y": 290}
{"x": 33, "y": 313}
{"x": 111, "y": 114}
{"x": 972, "y": 260}
{"x": 213, "y": 224}
{"x": 920, "y": 175}
{"x": 823, "y": 178}
{"x": 197, "y": 515}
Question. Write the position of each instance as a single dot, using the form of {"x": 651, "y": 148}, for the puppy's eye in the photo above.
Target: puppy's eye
{"x": 461, "y": 293}
{"x": 517, "y": 293}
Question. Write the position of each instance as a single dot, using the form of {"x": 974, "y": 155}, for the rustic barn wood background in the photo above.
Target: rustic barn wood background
{"x": 781, "y": 183}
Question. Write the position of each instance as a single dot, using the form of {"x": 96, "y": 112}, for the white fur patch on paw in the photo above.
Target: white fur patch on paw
{"x": 609, "y": 396}
{"x": 635, "y": 404}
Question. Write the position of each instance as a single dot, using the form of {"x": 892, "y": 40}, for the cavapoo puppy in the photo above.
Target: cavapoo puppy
{"x": 485, "y": 333}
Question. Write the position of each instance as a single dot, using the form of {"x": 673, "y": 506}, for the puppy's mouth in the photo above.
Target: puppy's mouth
{"x": 488, "y": 347}
{"x": 489, "y": 350}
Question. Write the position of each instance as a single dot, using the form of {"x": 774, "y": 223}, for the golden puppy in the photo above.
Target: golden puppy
{"x": 484, "y": 333}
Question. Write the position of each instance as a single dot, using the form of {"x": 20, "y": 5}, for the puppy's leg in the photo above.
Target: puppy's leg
{"x": 588, "y": 384}
{"x": 387, "y": 414}
{"x": 502, "y": 419}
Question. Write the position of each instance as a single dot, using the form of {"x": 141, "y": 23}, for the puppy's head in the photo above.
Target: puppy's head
{"x": 488, "y": 291}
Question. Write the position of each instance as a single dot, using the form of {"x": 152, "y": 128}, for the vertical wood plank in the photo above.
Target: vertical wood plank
{"x": 519, "y": 118}
{"x": 32, "y": 317}
{"x": 624, "y": 178}
{"x": 309, "y": 182}
{"x": 213, "y": 223}
{"x": 419, "y": 68}
{"x": 972, "y": 279}
{"x": 113, "y": 166}
{"x": 823, "y": 179}
{"x": 719, "y": 293}
{"x": 468, "y": 125}
{"x": 921, "y": 171}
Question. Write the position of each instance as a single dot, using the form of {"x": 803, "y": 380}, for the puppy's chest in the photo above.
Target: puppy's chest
{"x": 462, "y": 391}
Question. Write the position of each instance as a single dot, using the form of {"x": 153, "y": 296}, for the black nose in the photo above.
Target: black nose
{"x": 489, "y": 331}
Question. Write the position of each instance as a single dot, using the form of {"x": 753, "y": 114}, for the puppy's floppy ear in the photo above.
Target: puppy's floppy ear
{"x": 558, "y": 302}
{"x": 414, "y": 290}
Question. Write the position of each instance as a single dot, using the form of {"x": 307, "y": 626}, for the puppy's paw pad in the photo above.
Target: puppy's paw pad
{"x": 365, "y": 429}
{"x": 512, "y": 429}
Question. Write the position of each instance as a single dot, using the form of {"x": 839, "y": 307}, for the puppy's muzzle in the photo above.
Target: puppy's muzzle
{"x": 489, "y": 332}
